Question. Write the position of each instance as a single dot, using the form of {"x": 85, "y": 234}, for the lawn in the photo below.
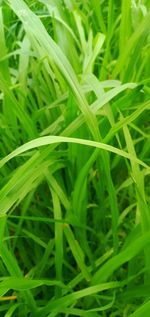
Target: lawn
{"x": 74, "y": 158}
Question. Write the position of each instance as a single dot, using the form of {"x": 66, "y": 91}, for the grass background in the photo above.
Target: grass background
{"x": 75, "y": 152}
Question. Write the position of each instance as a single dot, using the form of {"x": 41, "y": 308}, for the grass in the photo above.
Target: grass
{"x": 74, "y": 158}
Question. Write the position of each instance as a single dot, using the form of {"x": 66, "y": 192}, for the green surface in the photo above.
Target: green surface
{"x": 74, "y": 158}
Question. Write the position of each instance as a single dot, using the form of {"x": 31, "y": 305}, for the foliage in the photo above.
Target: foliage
{"x": 74, "y": 150}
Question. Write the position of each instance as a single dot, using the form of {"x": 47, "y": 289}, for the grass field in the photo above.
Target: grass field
{"x": 74, "y": 158}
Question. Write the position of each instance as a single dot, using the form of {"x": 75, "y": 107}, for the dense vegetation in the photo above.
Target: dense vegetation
{"x": 75, "y": 158}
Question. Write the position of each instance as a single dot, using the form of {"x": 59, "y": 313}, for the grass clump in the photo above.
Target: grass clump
{"x": 74, "y": 168}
